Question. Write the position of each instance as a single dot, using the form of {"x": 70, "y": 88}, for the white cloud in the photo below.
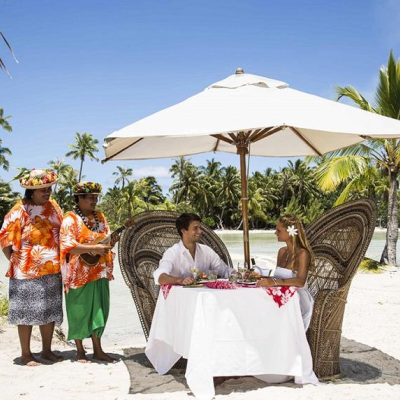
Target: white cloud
{"x": 158, "y": 172}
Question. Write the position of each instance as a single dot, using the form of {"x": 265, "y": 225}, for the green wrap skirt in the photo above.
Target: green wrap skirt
{"x": 87, "y": 309}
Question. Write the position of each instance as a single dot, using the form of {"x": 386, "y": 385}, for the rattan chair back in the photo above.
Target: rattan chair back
{"x": 339, "y": 239}
{"x": 140, "y": 250}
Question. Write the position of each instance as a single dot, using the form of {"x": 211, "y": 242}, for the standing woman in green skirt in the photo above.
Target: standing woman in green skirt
{"x": 86, "y": 282}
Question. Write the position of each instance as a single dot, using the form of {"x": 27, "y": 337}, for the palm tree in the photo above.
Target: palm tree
{"x": 7, "y": 199}
{"x": 4, "y": 150}
{"x": 61, "y": 170}
{"x": 85, "y": 146}
{"x": 177, "y": 170}
{"x": 379, "y": 153}
{"x": 212, "y": 169}
{"x": 188, "y": 183}
{"x": 122, "y": 175}
{"x": 2, "y": 65}
{"x": 65, "y": 192}
{"x": 3, "y": 121}
{"x": 228, "y": 193}
{"x": 3, "y": 160}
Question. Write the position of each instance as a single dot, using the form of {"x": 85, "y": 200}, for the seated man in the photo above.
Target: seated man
{"x": 177, "y": 262}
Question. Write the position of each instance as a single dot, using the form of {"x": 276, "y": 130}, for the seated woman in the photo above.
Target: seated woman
{"x": 293, "y": 263}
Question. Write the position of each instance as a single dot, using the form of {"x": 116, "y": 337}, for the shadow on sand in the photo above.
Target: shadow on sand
{"x": 360, "y": 364}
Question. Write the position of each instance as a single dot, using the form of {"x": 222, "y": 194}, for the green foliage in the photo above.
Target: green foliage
{"x": 370, "y": 266}
{"x": 2, "y": 65}
{"x": 85, "y": 146}
{"x": 4, "y": 151}
{"x": 209, "y": 221}
{"x": 372, "y": 168}
{"x": 119, "y": 205}
{"x": 4, "y": 304}
{"x": 7, "y": 199}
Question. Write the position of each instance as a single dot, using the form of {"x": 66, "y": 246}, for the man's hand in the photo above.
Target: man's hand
{"x": 186, "y": 281}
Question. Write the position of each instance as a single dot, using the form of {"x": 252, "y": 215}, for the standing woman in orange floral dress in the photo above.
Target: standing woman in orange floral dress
{"x": 29, "y": 238}
{"x": 87, "y": 292}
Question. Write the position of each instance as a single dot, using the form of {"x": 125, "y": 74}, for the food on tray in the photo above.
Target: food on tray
{"x": 202, "y": 276}
{"x": 251, "y": 276}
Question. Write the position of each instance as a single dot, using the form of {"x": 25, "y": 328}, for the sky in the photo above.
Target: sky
{"x": 97, "y": 66}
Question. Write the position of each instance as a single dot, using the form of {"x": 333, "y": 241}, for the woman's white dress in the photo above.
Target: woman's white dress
{"x": 305, "y": 296}
{"x": 306, "y": 306}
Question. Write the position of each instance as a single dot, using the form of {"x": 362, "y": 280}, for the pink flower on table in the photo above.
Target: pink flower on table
{"x": 281, "y": 294}
{"x": 165, "y": 290}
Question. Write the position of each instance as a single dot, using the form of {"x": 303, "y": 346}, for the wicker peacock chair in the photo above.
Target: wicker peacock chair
{"x": 141, "y": 248}
{"x": 339, "y": 238}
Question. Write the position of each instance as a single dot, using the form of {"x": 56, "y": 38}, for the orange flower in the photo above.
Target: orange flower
{"x": 49, "y": 268}
{"x": 14, "y": 229}
{"x": 41, "y": 233}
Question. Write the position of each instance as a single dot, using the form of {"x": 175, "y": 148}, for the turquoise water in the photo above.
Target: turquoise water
{"x": 264, "y": 244}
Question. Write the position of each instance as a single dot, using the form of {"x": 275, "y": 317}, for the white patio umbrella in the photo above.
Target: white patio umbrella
{"x": 247, "y": 113}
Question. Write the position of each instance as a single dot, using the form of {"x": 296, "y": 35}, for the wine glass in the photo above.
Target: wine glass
{"x": 242, "y": 268}
{"x": 194, "y": 270}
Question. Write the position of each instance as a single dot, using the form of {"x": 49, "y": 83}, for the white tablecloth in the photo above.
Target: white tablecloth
{"x": 226, "y": 333}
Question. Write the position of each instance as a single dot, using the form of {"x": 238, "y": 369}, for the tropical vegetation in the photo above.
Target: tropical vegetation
{"x": 213, "y": 190}
{"x": 371, "y": 168}
{"x": 84, "y": 147}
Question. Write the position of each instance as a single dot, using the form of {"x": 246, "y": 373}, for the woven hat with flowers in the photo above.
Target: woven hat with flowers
{"x": 39, "y": 179}
{"x": 87, "y": 188}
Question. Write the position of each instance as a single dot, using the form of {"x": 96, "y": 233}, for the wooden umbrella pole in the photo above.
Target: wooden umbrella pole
{"x": 242, "y": 151}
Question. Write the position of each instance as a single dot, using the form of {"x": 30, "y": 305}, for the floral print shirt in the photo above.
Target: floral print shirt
{"x": 33, "y": 233}
{"x": 73, "y": 232}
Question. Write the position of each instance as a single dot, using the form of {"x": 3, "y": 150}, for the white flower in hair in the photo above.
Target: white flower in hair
{"x": 292, "y": 231}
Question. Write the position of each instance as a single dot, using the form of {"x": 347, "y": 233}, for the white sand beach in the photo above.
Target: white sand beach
{"x": 371, "y": 324}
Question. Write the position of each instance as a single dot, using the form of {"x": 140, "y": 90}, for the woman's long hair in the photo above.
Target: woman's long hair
{"x": 299, "y": 240}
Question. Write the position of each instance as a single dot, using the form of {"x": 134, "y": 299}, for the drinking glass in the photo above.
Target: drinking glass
{"x": 212, "y": 277}
{"x": 242, "y": 268}
{"x": 194, "y": 270}
{"x": 233, "y": 275}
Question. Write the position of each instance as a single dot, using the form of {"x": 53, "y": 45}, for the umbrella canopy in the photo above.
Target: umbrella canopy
{"x": 247, "y": 113}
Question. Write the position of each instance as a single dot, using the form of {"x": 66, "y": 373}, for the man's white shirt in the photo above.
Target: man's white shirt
{"x": 177, "y": 261}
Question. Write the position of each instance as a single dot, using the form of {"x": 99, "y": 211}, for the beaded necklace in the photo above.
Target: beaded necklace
{"x": 95, "y": 227}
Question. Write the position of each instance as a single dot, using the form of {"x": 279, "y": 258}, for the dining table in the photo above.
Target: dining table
{"x": 244, "y": 331}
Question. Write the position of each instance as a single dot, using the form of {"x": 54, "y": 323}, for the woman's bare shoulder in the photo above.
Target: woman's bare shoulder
{"x": 282, "y": 250}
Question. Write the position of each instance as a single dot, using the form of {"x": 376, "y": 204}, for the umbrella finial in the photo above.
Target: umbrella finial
{"x": 239, "y": 71}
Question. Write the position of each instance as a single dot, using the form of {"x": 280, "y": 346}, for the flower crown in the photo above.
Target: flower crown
{"x": 39, "y": 179}
{"x": 87, "y": 188}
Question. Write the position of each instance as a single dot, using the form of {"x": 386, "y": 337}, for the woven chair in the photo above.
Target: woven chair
{"x": 339, "y": 239}
{"x": 141, "y": 248}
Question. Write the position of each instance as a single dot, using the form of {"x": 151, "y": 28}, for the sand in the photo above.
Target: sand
{"x": 370, "y": 359}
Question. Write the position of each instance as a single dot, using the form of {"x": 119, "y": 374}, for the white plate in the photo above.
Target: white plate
{"x": 246, "y": 283}
{"x": 206, "y": 281}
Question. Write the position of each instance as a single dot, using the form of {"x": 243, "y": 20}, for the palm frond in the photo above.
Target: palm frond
{"x": 355, "y": 95}
{"x": 336, "y": 170}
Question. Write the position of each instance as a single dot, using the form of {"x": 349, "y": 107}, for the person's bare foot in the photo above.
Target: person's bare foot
{"x": 51, "y": 356}
{"x": 82, "y": 358}
{"x": 30, "y": 361}
{"x": 104, "y": 357}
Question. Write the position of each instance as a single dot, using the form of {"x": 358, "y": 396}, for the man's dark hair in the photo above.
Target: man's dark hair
{"x": 184, "y": 220}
